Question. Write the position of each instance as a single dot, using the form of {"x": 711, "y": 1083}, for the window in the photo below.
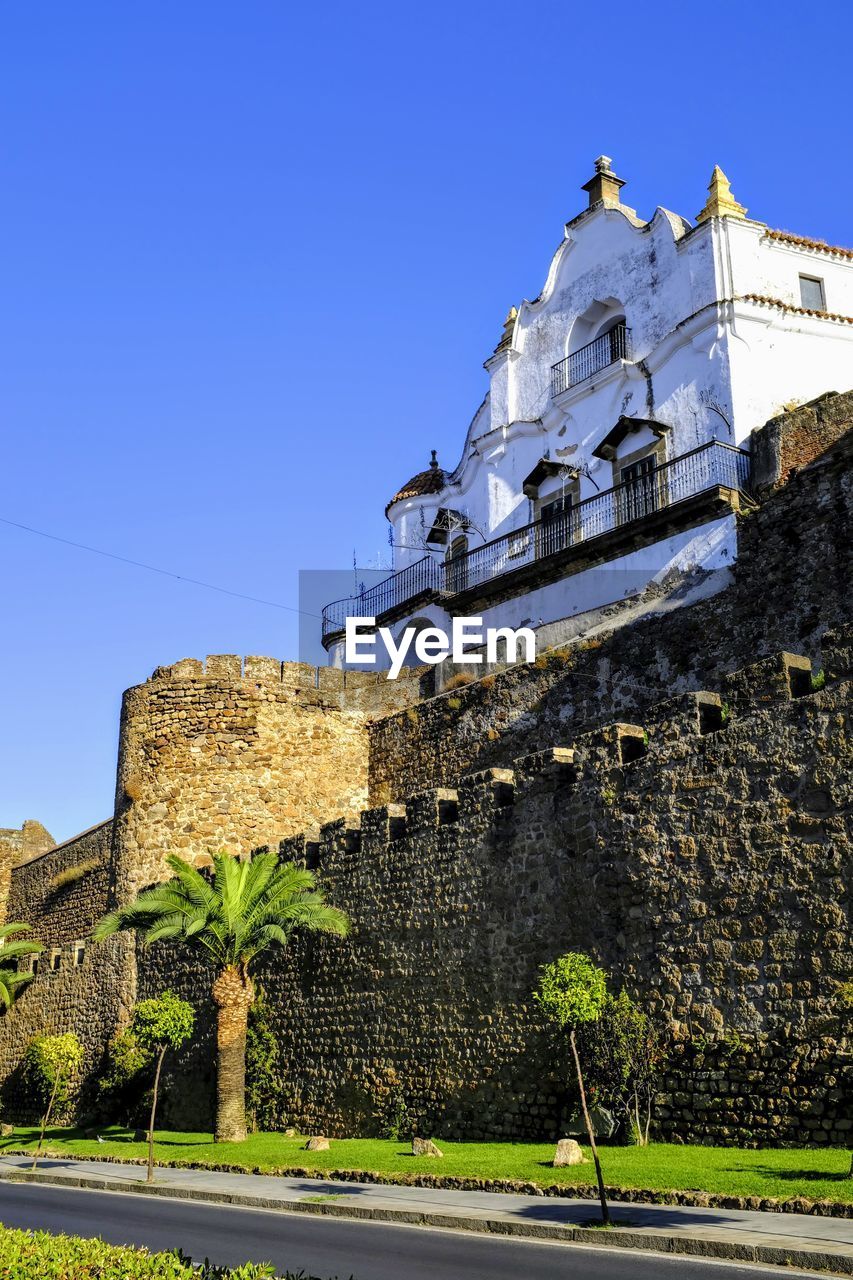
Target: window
{"x": 79, "y": 953}
{"x": 639, "y": 493}
{"x": 457, "y": 564}
{"x": 55, "y": 959}
{"x": 811, "y": 293}
{"x": 555, "y": 525}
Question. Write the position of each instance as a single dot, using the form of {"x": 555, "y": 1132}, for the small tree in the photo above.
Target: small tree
{"x": 572, "y": 992}
{"x": 12, "y": 949}
{"x": 50, "y": 1064}
{"x": 623, "y": 1056}
{"x": 157, "y": 1025}
{"x": 845, "y": 1001}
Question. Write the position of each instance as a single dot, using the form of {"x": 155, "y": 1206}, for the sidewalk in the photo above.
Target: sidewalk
{"x": 785, "y": 1238}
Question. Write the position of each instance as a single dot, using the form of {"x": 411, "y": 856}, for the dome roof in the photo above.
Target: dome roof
{"x": 432, "y": 480}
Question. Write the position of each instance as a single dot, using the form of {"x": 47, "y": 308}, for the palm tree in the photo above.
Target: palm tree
{"x": 231, "y": 918}
{"x": 11, "y": 980}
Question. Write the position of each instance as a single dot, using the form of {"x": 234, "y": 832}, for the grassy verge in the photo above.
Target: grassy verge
{"x": 26, "y": 1254}
{"x": 819, "y": 1174}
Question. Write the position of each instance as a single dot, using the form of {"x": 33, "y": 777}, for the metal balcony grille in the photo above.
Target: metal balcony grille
{"x": 704, "y": 468}
{"x": 418, "y": 579}
{"x": 651, "y": 489}
{"x": 596, "y": 355}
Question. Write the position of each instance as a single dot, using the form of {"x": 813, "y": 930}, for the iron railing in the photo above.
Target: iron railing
{"x": 706, "y": 467}
{"x": 421, "y": 578}
{"x": 598, "y": 354}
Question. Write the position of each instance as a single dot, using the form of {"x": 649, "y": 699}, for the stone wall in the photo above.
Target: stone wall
{"x": 598, "y": 799}
{"x": 790, "y": 582}
{"x": 794, "y": 439}
{"x": 701, "y": 857}
{"x": 17, "y": 846}
{"x": 233, "y": 754}
{"x": 78, "y": 987}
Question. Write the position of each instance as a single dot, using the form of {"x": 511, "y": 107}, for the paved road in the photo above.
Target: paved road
{"x": 337, "y": 1247}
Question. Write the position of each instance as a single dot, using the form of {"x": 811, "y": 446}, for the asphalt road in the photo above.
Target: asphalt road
{"x": 328, "y": 1247}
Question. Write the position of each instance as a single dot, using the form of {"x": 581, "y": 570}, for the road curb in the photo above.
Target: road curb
{"x": 619, "y": 1238}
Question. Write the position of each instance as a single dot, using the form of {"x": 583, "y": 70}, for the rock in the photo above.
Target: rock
{"x": 568, "y": 1152}
{"x": 290, "y": 1133}
{"x": 425, "y": 1147}
{"x": 316, "y": 1144}
{"x": 7, "y": 1130}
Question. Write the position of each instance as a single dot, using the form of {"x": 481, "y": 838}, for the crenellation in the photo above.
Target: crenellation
{"x": 670, "y": 795}
{"x": 774, "y": 679}
{"x": 430, "y": 809}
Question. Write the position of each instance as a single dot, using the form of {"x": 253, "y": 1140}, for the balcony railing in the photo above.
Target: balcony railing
{"x": 633, "y": 503}
{"x": 596, "y": 355}
{"x": 711, "y": 465}
{"x": 422, "y": 578}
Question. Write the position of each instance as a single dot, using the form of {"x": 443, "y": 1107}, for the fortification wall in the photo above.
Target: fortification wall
{"x": 790, "y": 582}
{"x": 235, "y": 754}
{"x": 699, "y": 856}
{"x": 77, "y": 987}
{"x": 18, "y": 846}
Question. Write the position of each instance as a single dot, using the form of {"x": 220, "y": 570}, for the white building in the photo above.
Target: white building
{"x": 612, "y": 445}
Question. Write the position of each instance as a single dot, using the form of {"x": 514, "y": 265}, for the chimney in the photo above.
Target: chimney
{"x": 604, "y": 187}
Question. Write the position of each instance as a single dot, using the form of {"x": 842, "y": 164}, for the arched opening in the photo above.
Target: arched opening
{"x": 598, "y": 338}
{"x": 599, "y": 318}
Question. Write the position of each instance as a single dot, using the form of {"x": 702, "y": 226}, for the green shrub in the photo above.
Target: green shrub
{"x": 127, "y": 1070}
{"x": 818, "y": 680}
{"x": 50, "y": 1066}
{"x": 624, "y": 1057}
{"x": 26, "y": 1254}
{"x": 264, "y": 1083}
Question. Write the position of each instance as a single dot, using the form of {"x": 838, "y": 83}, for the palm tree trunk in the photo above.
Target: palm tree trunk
{"x": 234, "y": 995}
{"x": 149, "y": 1177}
{"x": 605, "y": 1212}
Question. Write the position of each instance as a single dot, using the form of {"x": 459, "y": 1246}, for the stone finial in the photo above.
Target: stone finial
{"x": 720, "y": 203}
{"x": 603, "y": 187}
{"x": 509, "y": 325}
{"x": 433, "y": 464}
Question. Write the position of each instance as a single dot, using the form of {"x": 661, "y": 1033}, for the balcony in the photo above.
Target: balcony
{"x": 605, "y": 350}
{"x": 697, "y": 486}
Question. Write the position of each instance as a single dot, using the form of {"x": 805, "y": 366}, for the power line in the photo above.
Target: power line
{"x": 151, "y": 568}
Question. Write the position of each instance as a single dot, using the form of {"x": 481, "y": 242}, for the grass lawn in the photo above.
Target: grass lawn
{"x": 817, "y": 1174}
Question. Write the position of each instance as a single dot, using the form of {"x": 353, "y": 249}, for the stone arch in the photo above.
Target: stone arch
{"x": 600, "y": 318}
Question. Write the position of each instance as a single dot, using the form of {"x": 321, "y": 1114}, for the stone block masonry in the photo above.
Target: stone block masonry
{"x": 233, "y": 754}
{"x": 671, "y": 796}
{"x": 699, "y": 856}
{"x": 62, "y": 894}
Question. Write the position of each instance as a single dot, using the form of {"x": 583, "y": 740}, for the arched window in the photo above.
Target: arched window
{"x": 598, "y": 338}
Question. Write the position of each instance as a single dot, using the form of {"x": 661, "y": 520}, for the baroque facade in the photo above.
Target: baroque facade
{"x": 610, "y": 449}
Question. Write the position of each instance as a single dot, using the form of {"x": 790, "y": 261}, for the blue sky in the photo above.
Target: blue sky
{"x": 254, "y": 256}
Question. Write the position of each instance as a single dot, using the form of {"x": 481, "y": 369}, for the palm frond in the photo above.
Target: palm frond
{"x": 12, "y": 950}
{"x": 14, "y": 926}
{"x": 231, "y": 915}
